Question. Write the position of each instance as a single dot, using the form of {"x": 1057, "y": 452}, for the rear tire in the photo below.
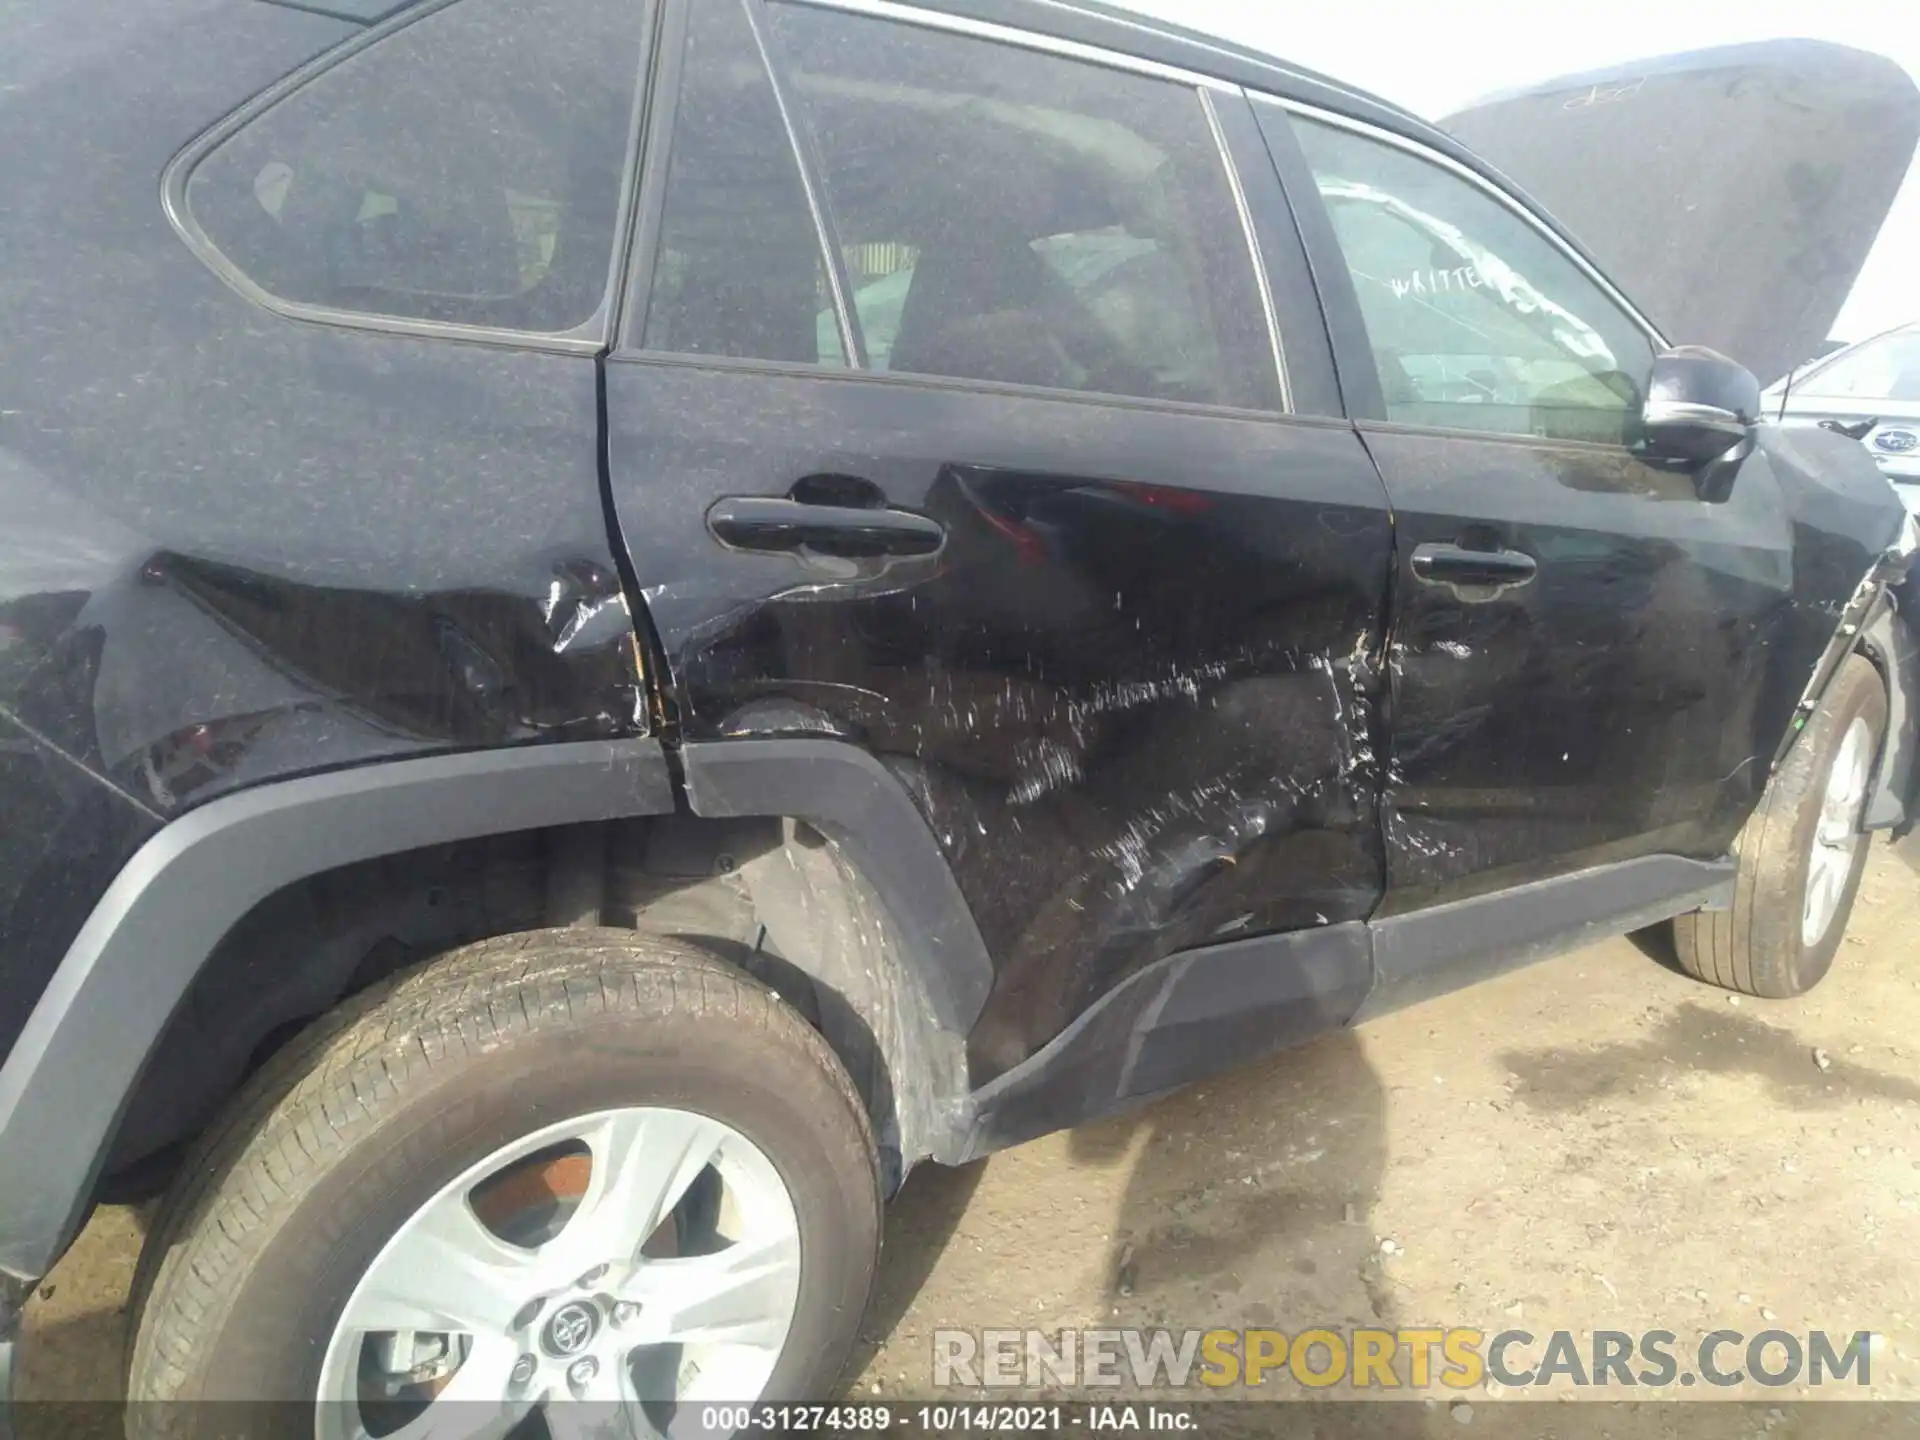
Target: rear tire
{"x": 355, "y": 1137}
{"x": 1800, "y": 856}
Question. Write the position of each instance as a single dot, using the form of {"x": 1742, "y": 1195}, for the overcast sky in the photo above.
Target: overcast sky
{"x": 1433, "y": 58}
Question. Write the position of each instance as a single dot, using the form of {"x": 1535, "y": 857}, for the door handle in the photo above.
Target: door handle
{"x": 1461, "y": 569}
{"x": 753, "y": 522}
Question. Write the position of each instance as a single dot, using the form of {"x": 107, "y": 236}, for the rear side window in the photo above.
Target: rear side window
{"x": 1001, "y": 215}
{"x": 1477, "y": 320}
{"x": 466, "y": 168}
{"x": 1017, "y": 217}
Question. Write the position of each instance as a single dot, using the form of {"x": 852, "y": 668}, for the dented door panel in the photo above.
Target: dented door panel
{"x": 1623, "y": 702}
{"x": 1135, "y": 694}
{"x": 1632, "y": 699}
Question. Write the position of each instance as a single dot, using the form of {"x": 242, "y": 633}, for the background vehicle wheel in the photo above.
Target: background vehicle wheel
{"x": 566, "y": 1166}
{"x": 1801, "y": 854}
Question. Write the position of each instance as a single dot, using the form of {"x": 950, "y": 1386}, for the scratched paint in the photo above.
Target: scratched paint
{"x": 1141, "y": 695}
{"x": 1633, "y": 697}
{"x": 1137, "y": 696}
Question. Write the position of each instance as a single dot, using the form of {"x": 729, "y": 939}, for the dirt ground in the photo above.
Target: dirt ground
{"x": 1597, "y": 1142}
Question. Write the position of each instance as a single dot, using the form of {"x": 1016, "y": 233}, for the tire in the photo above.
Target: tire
{"x": 361, "y": 1125}
{"x": 1771, "y": 943}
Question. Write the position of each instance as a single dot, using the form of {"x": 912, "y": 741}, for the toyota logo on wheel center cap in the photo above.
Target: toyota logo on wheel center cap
{"x": 571, "y": 1329}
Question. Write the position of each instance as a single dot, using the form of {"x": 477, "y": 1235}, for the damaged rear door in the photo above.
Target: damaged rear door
{"x": 965, "y": 439}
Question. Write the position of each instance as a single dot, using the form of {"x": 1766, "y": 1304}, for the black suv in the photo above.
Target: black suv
{"x": 620, "y": 619}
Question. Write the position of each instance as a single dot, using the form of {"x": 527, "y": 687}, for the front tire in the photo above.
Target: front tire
{"x": 570, "y": 1166}
{"x": 1800, "y": 856}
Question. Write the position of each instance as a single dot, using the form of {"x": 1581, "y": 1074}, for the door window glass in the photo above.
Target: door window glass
{"x": 467, "y": 168}
{"x": 1477, "y": 320}
{"x": 740, "y": 271}
{"x": 1020, "y": 218}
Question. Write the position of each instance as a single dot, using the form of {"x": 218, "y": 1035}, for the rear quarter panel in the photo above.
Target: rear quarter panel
{"x": 234, "y": 547}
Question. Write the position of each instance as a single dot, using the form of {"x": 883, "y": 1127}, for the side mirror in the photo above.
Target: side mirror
{"x": 1699, "y": 405}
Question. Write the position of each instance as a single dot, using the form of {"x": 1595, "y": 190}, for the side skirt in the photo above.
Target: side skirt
{"x": 1179, "y": 1020}
{"x": 1201, "y": 1012}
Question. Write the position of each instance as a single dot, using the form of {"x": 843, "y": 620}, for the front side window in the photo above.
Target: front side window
{"x": 1477, "y": 320}
{"x": 467, "y": 168}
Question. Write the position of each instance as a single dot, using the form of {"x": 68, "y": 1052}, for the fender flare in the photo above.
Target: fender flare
{"x": 1878, "y": 622}
{"x": 853, "y": 798}
{"x": 1889, "y": 640}
{"x": 924, "y": 984}
{"x": 66, "y": 1081}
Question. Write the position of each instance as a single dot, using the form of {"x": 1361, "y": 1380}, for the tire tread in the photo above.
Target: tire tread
{"x": 345, "y": 1072}
{"x": 1730, "y": 948}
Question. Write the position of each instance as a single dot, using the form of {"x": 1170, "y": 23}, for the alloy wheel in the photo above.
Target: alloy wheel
{"x": 1837, "y": 838}
{"x": 605, "y": 1270}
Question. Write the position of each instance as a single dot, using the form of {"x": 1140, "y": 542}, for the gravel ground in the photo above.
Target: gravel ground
{"x": 1597, "y": 1142}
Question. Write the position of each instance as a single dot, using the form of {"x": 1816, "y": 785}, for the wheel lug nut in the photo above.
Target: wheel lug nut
{"x": 580, "y": 1374}
{"x": 624, "y": 1313}
{"x": 523, "y": 1369}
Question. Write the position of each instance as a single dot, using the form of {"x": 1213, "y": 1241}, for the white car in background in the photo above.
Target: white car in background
{"x": 1870, "y": 391}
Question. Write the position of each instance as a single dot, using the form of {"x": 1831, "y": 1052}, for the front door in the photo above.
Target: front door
{"x": 1582, "y": 645}
{"x": 964, "y": 441}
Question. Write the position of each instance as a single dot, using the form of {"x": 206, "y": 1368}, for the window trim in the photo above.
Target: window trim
{"x": 591, "y": 337}
{"x": 913, "y": 380}
{"x": 1202, "y": 88}
{"x": 1244, "y": 209}
{"x": 661, "y": 112}
{"x": 805, "y": 149}
{"x": 1144, "y": 25}
{"x": 1023, "y": 39}
{"x": 1480, "y": 182}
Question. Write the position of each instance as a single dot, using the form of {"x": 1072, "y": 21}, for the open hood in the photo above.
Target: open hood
{"x": 1734, "y": 193}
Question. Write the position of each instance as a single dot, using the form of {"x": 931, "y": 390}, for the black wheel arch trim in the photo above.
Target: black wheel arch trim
{"x": 854, "y": 799}
{"x": 1888, "y": 639}
{"x": 67, "y": 1079}
{"x": 1878, "y": 622}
